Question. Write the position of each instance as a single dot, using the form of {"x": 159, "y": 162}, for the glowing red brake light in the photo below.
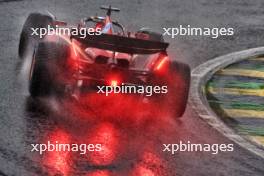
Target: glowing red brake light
{"x": 114, "y": 83}
{"x": 161, "y": 62}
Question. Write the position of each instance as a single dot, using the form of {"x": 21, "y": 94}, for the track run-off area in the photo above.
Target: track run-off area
{"x": 236, "y": 94}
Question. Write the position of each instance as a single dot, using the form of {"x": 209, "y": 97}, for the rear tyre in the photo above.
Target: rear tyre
{"x": 48, "y": 68}
{"x": 179, "y": 88}
{"x": 177, "y": 79}
{"x": 27, "y": 41}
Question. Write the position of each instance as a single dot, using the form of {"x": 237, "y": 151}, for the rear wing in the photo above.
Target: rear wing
{"x": 122, "y": 44}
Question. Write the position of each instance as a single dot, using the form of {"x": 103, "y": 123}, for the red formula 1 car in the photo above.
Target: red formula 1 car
{"x": 73, "y": 64}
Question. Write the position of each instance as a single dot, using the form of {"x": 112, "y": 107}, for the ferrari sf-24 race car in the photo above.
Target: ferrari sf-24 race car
{"x": 72, "y": 64}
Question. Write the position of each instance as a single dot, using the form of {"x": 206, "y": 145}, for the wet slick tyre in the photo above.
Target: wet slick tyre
{"x": 27, "y": 41}
{"x": 179, "y": 87}
{"x": 177, "y": 79}
{"x": 47, "y": 65}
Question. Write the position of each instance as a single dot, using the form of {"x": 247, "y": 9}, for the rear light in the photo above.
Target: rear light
{"x": 161, "y": 62}
{"x": 113, "y": 83}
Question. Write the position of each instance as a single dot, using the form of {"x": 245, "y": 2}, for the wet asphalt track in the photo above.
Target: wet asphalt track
{"x": 135, "y": 147}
